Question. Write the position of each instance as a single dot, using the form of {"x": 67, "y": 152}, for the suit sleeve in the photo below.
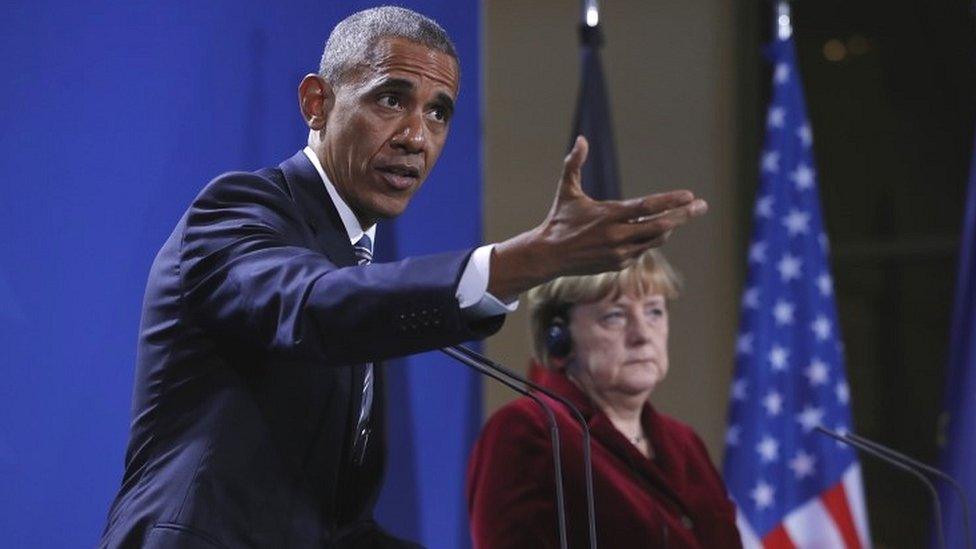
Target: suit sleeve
{"x": 248, "y": 276}
{"x": 510, "y": 487}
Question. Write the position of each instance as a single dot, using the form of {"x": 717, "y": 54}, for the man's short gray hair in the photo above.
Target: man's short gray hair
{"x": 352, "y": 40}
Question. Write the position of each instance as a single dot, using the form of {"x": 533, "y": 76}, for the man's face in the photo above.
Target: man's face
{"x": 387, "y": 127}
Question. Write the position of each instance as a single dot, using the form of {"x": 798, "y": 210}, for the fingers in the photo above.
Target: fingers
{"x": 645, "y": 208}
{"x": 653, "y": 230}
{"x": 570, "y": 180}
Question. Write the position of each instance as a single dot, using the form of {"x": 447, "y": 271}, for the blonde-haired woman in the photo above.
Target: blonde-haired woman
{"x": 603, "y": 342}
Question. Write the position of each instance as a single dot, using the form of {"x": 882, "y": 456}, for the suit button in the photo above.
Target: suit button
{"x": 687, "y": 522}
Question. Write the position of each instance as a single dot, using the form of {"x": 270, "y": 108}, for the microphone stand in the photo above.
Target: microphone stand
{"x": 912, "y": 462}
{"x": 869, "y": 450}
{"x": 553, "y": 430}
{"x": 587, "y": 459}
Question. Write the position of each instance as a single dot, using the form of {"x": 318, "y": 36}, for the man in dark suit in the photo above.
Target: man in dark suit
{"x": 255, "y": 422}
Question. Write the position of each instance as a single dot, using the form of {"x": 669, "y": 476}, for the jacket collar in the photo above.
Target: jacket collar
{"x": 655, "y": 472}
{"x": 308, "y": 192}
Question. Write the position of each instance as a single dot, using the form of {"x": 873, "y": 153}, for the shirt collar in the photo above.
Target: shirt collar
{"x": 349, "y": 221}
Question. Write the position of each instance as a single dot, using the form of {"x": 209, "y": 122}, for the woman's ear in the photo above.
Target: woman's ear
{"x": 559, "y": 364}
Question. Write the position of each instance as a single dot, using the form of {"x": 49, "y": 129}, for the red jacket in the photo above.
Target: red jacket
{"x": 677, "y": 499}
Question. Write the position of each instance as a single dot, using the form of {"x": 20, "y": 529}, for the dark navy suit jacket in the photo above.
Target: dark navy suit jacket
{"x": 255, "y": 327}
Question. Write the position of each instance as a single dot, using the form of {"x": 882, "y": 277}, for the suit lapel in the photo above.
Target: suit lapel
{"x": 308, "y": 192}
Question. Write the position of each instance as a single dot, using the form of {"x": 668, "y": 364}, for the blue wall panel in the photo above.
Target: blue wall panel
{"x": 113, "y": 116}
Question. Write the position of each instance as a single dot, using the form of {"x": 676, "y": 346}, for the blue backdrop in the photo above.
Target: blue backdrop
{"x": 113, "y": 116}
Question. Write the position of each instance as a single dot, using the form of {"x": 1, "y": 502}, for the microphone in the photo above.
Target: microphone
{"x": 587, "y": 461}
{"x": 912, "y": 462}
{"x": 460, "y": 356}
{"x": 898, "y": 464}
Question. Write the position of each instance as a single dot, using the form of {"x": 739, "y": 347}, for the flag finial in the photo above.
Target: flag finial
{"x": 783, "y": 25}
{"x": 591, "y": 13}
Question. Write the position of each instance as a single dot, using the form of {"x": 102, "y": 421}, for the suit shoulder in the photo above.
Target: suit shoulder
{"x": 244, "y": 186}
{"x": 254, "y": 198}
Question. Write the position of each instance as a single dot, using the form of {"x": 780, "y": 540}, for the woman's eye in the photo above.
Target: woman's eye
{"x": 615, "y": 318}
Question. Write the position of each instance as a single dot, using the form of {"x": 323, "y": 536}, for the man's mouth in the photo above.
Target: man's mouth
{"x": 400, "y": 176}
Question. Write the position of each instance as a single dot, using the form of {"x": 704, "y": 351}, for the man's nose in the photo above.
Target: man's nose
{"x": 411, "y": 136}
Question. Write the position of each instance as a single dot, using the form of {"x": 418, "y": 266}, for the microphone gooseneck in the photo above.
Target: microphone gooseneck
{"x": 587, "y": 459}
{"x": 912, "y": 462}
{"x": 553, "y": 430}
{"x": 936, "y": 506}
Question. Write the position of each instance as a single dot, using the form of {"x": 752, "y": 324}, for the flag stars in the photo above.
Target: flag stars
{"x": 740, "y": 389}
{"x": 770, "y": 162}
{"x": 783, "y": 313}
{"x": 750, "y": 298}
{"x": 768, "y": 449}
{"x": 773, "y": 402}
{"x": 843, "y": 392}
{"x": 842, "y": 430}
{"x": 757, "y": 252}
{"x": 825, "y": 284}
{"x": 763, "y": 495}
{"x": 764, "y": 207}
{"x": 803, "y": 177}
{"x": 782, "y": 73}
{"x": 817, "y": 372}
{"x": 805, "y": 135}
{"x": 802, "y": 465}
{"x": 778, "y": 358}
{"x": 776, "y": 117}
{"x": 821, "y": 327}
{"x": 797, "y": 222}
{"x": 743, "y": 344}
{"x": 810, "y": 417}
{"x": 732, "y": 435}
{"x": 824, "y": 242}
{"x": 789, "y": 267}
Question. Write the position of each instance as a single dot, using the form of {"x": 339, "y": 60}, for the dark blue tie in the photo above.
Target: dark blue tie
{"x": 364, "y": 254}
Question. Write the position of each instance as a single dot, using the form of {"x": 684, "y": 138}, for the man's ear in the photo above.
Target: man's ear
{"x": 316, "y": 99}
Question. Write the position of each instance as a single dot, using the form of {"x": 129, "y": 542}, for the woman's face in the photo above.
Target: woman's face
{"x": 620, "y": 345}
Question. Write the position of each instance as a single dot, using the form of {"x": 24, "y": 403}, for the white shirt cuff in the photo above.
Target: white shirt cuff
{"x": 472, "y": 291}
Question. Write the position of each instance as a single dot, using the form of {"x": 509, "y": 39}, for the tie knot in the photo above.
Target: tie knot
{"x": 364, "y": 250}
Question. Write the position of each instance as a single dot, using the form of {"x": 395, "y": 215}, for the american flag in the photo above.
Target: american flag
{"x": 793, "y": 486}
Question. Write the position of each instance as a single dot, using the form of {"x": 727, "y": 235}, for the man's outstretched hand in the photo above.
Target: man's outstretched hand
{"x": 583, "y": 236}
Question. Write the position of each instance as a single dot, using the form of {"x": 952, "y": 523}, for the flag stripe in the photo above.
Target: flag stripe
{"x": 778, "y": 538}
{"x": 835, "y": 500}
{"x": 854, "y": 489}
{"x": 812, "y": 525}
{"x": 749, "y": 538}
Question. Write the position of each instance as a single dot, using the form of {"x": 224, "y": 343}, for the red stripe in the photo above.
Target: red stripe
{"x": 778, "y": 538}
{"x": 835, "y": 500}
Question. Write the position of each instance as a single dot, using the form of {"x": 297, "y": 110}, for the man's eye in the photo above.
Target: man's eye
{"x": 390, "y": 101}
{"x": 439, "y": 114}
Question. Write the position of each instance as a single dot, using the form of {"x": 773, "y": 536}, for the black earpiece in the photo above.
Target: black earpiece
{"x": 559, "y": 343}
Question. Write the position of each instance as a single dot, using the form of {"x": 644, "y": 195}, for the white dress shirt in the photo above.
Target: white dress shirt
{"x": 472, "y": 291}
